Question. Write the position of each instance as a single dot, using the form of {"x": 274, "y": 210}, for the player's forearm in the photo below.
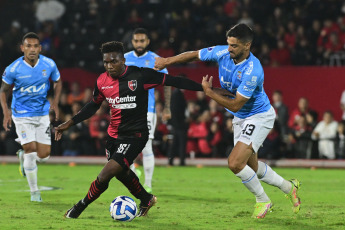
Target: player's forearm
{"x": 86, "y": 112}
{"x": 57, "y": 91}
{"x": 3, "y": 100}
{"x": 182, "y": 83}
{"x": 228, "y": 103}
{"x": 167, "y": 96}
{"x": 183, "y": 58}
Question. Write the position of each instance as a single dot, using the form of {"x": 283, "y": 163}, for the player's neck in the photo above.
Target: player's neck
{"x": 31, "y": 62}
{"x": 141, "y": 54}
{"x": 242, "y": 58}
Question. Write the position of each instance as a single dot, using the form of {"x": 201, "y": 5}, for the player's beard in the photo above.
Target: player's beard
{"x": 238, "y": 56}
{"x": 141, "y": 52}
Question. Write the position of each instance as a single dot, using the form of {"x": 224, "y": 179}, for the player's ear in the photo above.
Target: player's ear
{"x": 148, "y": 41}
{"x": 40, "y": 49}
{"x": 22, "y": 48}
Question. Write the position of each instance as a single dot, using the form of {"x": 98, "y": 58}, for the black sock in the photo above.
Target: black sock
{"x": 95, "y": 190}
{"x": 131, "y": 181}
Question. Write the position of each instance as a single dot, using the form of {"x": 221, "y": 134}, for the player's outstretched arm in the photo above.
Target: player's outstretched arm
{"x": 185, "y": 57}
{"x": 182, "y": 83}
{"x": 7, "y": 122}
{"x": 57, "y": 92}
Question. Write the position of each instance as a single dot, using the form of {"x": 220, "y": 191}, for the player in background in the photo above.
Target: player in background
{"x": 126, "y": 90}
{"x": 142, "y": 57}
{"x": 30, "y": 75}
{"x": 241, "y": 73}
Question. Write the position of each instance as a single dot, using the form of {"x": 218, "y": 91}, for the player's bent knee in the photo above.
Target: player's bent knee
{"x": 234, "y": 166}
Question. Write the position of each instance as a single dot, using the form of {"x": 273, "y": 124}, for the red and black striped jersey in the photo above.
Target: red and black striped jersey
{"x": 127, "y": 96}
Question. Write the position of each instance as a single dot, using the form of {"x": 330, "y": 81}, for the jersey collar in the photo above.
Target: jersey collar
{"x": 141, "y": 55}
{"x": 38, "y": 60}
{"x": 243, "y": 60}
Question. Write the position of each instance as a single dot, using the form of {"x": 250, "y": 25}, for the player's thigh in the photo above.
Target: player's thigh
{"x": 151, "y": 123}
{"x": 254, "y": 130}
{"x": 124, "y": 151}
{"x": 43, "y": 133}
{"x": 26, "y": 131}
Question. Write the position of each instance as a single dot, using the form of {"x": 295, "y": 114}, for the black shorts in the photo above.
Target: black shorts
{"x": 124, "y": 150}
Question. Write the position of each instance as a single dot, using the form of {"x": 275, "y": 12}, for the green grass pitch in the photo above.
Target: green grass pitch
{"x": 188, "y": 198}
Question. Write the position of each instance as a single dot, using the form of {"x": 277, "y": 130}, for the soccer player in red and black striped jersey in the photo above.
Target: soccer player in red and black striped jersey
{"x": 126, "y": 90}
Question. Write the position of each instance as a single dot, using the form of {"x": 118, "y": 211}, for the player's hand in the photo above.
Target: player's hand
{"x": 55, "y": 107}
{"x": 160, "y": 63}
{"x": 206, "y": 83}
{"x": 7, "y": 122}
{"x": 166, "y": 114}
{"x": 59, "y": 130}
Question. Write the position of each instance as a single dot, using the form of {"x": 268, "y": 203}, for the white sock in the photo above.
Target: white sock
{"x": 251, "y": 181}
{"x": 30, "y": 168}
{"x": 42, "y": 160}
{"x": 148, "y": 163}
{"x": 268, "y": 175}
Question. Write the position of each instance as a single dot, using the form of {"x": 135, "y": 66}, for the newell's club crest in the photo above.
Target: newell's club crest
{"x": 132, "y": 85}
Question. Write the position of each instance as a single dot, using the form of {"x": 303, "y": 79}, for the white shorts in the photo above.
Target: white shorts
{"x": 31, "y": 129}
{"x": 151, "y": 124}
{"x": 254, "y": 129}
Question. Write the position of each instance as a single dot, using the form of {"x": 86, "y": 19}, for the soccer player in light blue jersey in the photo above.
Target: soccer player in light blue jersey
{"x": 241, "y": 73}
{"x": 142, "y": 57}
{"x": 30, "y": 75}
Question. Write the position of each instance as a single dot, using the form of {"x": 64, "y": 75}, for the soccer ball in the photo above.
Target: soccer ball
{"x": 123, "y": 208}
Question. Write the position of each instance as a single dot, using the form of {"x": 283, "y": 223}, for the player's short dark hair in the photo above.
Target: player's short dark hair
{"x": 141, "y": 31}
{"x": 278, "y": 92}
{"x": 30, "y": 35}
{"x": 113, "y": 46}
{"x": 242, "y": 32}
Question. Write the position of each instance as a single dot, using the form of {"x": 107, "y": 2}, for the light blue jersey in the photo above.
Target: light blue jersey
{"x": 31, "y": 85}
{"x": 146, "y": 60}
{"x": 245, "y": 78}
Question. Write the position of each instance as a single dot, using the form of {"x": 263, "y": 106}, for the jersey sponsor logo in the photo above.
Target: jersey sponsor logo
{"x": 107, "y": 87}
{"x": 14, "y": 67}
{"x": 132, "y": 85}
{"x": 121, "y": 102}
{"x": 44, "y": 73}
{"x": 227, "y": 84}
{"x": 25, "y": 76}
{"x": 118, "y": 100}
{"x": 32, "y": 89}
{"x": 124, "y": 106}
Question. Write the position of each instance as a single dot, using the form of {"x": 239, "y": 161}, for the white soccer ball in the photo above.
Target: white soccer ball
{"x": 123, "y": 208}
